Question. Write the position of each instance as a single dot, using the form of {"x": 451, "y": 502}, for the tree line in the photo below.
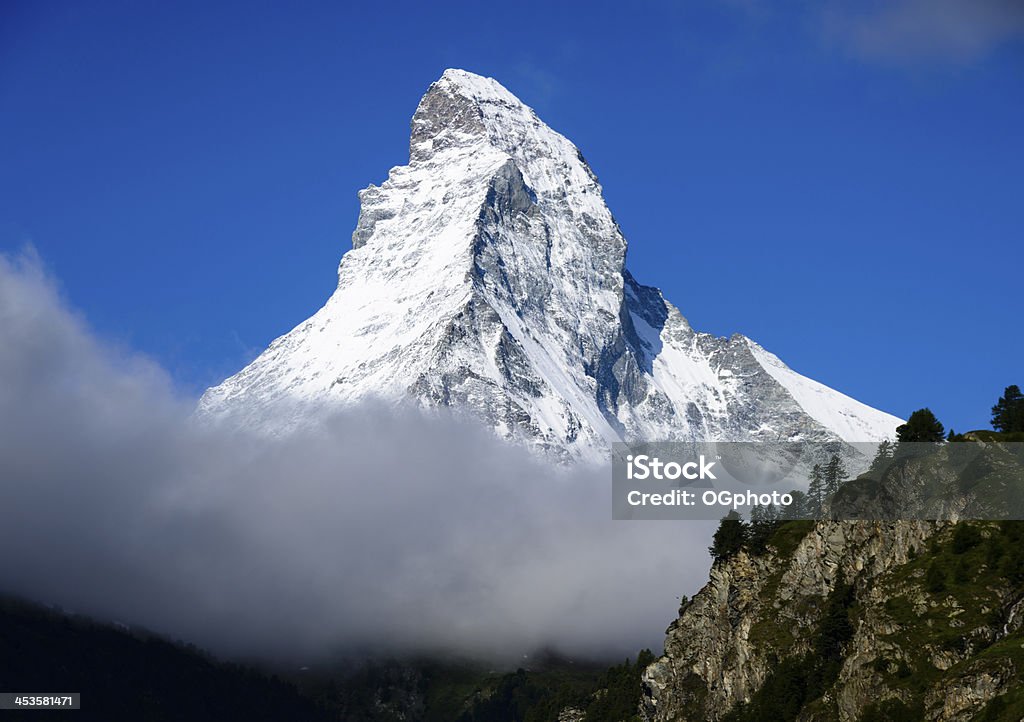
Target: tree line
{"x": 1007, "y": 418}
{"x": 734, "y": 534}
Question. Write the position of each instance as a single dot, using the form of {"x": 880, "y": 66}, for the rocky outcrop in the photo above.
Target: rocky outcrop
{"x": 940, "y": 645}
{"x": 572, "y": 714}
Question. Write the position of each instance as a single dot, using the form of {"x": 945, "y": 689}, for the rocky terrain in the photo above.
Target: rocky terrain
{"x": 489, "y": 276}
{"x": 854, "y": 620}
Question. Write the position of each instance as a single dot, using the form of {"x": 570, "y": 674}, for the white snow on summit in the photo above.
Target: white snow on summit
{"x": 488, "y": 275}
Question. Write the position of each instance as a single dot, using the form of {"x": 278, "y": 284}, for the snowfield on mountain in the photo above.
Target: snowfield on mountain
{"x": 489, "y": 276}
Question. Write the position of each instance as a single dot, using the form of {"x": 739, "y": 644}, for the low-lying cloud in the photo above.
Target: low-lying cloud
{"x": 379, "y": 531}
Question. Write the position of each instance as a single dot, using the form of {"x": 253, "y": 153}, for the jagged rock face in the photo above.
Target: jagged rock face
{"x": 975, "y": 480}
{"x": 488, "y": 275}
{"x": 950, "y": 652}
{"x": 712, "y": 659}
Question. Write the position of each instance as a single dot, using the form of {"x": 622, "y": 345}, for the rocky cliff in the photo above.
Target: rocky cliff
{"x": 853, "y": 620}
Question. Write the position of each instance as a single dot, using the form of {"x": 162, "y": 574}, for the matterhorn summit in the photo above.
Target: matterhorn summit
{"x": 488, "y": 275}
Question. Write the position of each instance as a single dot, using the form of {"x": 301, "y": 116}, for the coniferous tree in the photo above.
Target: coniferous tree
{"x": 798, "y": 509}
{"x": 816, "y": 491}
{"x": 883, "y": 456}
{"x": 764, "y": 520}
{"x": 922, "y": 426}
{"x": 756, "y": 533}
{"x": 935, "y": 578}
{"x": 730, "y": 537}
{"x": 834, "y": 475}
{"x": 1008, "y": 413}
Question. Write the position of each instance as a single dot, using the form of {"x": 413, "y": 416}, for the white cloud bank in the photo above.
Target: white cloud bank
{"x": 382, "y": 532}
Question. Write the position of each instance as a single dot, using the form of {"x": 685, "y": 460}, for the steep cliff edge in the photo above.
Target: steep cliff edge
{"x": 853, "y": 620}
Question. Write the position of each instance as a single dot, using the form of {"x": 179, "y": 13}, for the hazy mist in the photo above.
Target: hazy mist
{"x": 382, "y": 531}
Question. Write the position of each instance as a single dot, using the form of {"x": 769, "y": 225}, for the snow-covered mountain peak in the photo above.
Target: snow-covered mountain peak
{"x": 466, "y": 111}
{"x": 488, "y": 275}
{"x": 476, "y": 87}
{"x": 462, "y": 108}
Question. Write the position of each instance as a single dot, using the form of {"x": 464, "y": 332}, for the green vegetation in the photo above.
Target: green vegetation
{"x": 945, "y": 610}
{"x": 799, "y": 681}
{"x": 953, "y": 609}
{"x": 922, "y": 426}
{"x": 730, "y": 537}
{"x": 620, "y": 702}
{"x": 523, "y": 696}
{"x": 1008, "y": 413}
{"x": 816, "y": 491}
{"x": 989, "y": 435}
{"x": 772, "y": 527}
{"x": 129, "y": 674}
{"x": 935, "y": 579}
{"x": 539, "y": 696}
{"x": 763, "y": 523}
{"x": 834, "y": 475}
{"x": 965, "y": 538}
{"x": 893, "y": 710}
{"x": 883, "y": 457}
{"x": 823, "y": 483}
{"x": 959, "y": 585}
{"x": 789, "y": 534}
{"x": 435, "y": 691}
{"x": 766, "y": 529}
{"x": 940, "y": 602}
{"x": 133, "y": 675}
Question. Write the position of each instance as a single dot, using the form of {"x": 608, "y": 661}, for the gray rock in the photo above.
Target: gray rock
{"x": 489, "y": 276}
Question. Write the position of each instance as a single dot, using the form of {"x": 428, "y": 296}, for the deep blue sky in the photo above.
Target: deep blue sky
{"x": 843, "y": 183}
